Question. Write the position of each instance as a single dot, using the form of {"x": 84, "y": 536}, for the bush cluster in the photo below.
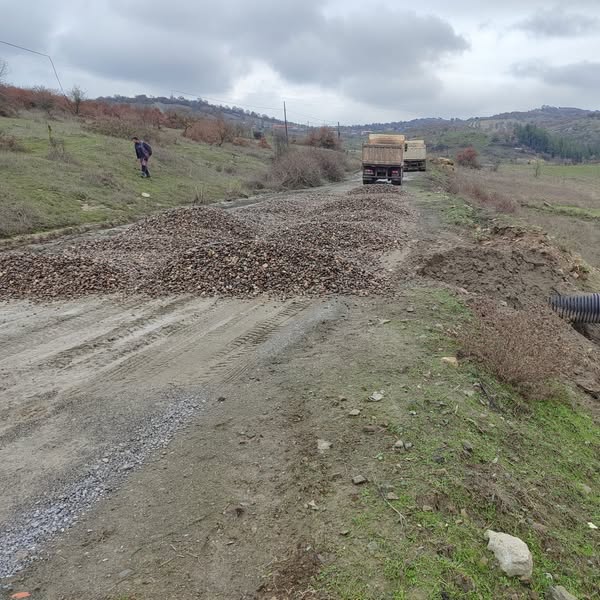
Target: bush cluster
{"x": 306, "y": 167}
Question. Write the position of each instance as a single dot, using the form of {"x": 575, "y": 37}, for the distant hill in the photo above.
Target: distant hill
{"x": 574, "y": 123}
{"x": 199, "y": 107}
{"x": 492, "y": 136}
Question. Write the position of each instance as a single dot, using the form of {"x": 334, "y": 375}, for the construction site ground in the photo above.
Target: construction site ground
{"x": 319, "y": 436}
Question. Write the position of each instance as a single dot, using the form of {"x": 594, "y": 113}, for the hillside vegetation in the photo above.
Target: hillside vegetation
{"x": 77, "y": 176}
{"x": 70, "y": 165}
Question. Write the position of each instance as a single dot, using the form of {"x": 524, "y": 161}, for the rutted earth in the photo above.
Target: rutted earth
{"x": 101, "y": 496}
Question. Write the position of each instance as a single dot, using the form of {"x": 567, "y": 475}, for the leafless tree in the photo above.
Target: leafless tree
{"x": 3, "y": 70}
{"x": 77, "y": 96}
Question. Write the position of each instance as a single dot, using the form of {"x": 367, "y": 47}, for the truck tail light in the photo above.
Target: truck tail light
{"x": 395, "y": 172}
{"x": 368, "y": 171}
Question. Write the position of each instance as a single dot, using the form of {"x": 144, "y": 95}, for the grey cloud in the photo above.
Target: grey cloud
{"x": 581, "y": 75}
{"x": 556, "y": 22}
{"x": 191, "y": 46}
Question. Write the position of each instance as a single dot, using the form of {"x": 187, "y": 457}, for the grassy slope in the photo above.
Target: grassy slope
{"x": 532, "y": 471}
{"x": 526, "y": 475}
{"x": 99, "y": 181}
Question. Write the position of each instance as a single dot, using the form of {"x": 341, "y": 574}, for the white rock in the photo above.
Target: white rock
{"x": 323, "y": 445}
{"x": 512, "y": 554}
{"x": 376, "y": 396}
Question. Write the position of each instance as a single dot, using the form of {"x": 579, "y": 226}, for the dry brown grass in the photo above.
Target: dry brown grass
{"x": 529, "y": 349}
{"x": 17, "y": 218}
{"x": 10, "y": 143}
{"x": 461, "y": 184}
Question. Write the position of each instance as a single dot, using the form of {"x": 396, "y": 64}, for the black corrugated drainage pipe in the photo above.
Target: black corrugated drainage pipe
{"x": 584, "y": 308}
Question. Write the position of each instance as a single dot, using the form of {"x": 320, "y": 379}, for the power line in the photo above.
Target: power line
{"x": 39, "y": 54}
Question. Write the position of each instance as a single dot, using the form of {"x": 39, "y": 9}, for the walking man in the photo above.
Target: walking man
{"x": 143, "y": 151}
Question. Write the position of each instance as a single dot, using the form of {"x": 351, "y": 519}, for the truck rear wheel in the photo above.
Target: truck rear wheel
{"x": 367, "y": 181}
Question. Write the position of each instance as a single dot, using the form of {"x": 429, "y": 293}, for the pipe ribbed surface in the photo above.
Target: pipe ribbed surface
{"x": 584, "y": 308}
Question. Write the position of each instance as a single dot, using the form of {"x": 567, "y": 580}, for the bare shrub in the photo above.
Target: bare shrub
{"x": 331, "y": 163}
{"x": 58, "y": 152}
{"x": 77, "y": 96}
{"x": 324, "y": 137}
{"x": 17, "y": 218}
{"x": 262, "y": 143}
{"x": 280, "y": 143}
{"x": 124, "y": 129}
{"x": 295, "y": 170}
{"x": 10, "y": 143}
{"x": 45, "y": 98}
{"x": 528, "y": 349}
{"x": 229, "y": 169}
{"x": 306, "y": 167}
{"x": 468, "y": 158}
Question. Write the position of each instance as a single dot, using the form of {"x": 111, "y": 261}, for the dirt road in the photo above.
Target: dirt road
{"x": 90, "y": 388}
{"x": 190, "y": 447}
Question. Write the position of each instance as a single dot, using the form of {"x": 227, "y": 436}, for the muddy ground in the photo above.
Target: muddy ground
{"x": 168, "y": 447}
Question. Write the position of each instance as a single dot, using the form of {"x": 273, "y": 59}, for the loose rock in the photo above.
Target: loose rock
{"x": 450, "y": 360}
{"x": 512, "y": 554}
{"x": 559, "y": 593}
{"x": 354, "y": 412}
{"x": 376, "y": 396}
{"x": 359, "y": 480}
{"x": 324, "y": 445}
{"x": 467, "y": 446}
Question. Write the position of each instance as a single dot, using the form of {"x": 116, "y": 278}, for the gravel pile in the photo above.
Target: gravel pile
{"x": 344, "y": 237}
{"x": 375, "y": 188}
{"x": 189, "y": 222}
{"x": 57, "y": 276}
{"x": 316, "y": 244}
{"x": 375, "y": 209}
{"x": 251, "y": 267}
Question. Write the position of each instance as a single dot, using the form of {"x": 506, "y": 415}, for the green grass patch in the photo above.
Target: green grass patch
{"x": 96, "y": 179}
{"x": 531, "y": 473}
{"x": 591, "y": 214}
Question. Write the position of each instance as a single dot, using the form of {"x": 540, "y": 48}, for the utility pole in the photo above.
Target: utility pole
{"x": 287, "y": 139}
{"x": 339, "y": 133}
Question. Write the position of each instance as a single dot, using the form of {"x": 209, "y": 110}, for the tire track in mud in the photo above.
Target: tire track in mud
{"x": 151, "y": 376}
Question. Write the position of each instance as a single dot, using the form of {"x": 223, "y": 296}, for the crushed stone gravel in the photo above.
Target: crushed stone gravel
{"x": 312, "y": 244}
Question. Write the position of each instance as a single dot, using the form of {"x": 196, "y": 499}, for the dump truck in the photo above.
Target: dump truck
{"x": 415, "y": 155}
{"x": 383, "y": 158}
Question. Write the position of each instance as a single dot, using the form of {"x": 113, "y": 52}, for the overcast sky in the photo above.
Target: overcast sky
{"x": 346, "y": 60}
